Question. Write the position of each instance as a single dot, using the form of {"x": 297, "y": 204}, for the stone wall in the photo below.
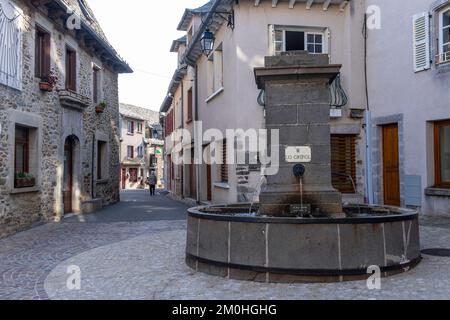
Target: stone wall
{"x": 21, "y": 208}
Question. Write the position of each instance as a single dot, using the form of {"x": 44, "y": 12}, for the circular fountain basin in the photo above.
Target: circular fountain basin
{"x": 227, "y": 241}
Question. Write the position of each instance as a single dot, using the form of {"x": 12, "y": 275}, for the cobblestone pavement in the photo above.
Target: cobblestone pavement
{"x": 28, "y": 257}
{"x": 140, "y": 255}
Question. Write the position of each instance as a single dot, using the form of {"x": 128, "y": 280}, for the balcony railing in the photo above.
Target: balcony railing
{"x": 338, "y": 97}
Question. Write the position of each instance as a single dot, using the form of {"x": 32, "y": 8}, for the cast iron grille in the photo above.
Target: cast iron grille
{"x": 338, "y": 97}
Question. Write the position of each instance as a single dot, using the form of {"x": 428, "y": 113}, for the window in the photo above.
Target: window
{"x": 130, "y": 127}
{"x": 42, "y": 53}
{"x": 140, "y": 151}
{"x": 442, "y": 153}
{"x": 444, "y": 36}
{"x": 22, "y": 178}
{"x": 169, "y": 123}
{"x": 130, "y": 152}
{"x": 71, "y": 69}
{"x": 96, "y": 84}
{"x": 343, "y": 162}
{"x": 224, "y": 165}
{"x": 314, "y": 42}
{"x": 153, "y": 161}
{"x": 133, "y": 175}
{"x": 139, "y": 127}
{"x": 215, "y": 71}
{"x": 297, "y": 39}
{"x": 21, "y": 150}
{"x": 189, "y": 106}
{"x": 101, "y": 160}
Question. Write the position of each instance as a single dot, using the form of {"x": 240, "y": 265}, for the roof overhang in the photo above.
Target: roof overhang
{"x": 100, "y": 45}
{"x": 173, "y": 87}
{"x": 177, "y": 43}
{"x": 308, "y": 3}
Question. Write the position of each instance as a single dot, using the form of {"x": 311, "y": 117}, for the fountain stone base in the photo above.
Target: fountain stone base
{"x": 334, "y": 243}
{"x": 223, "y": 241}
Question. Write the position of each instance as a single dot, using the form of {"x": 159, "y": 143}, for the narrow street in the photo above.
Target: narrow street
{"x": 135, "y": 250}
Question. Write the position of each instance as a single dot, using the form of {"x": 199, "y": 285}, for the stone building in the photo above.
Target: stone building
{"x": 59, "y": 112}
{"x": 141, "y": 146}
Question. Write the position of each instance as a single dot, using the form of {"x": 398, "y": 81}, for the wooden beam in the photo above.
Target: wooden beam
{"x": 274, "y": 3}
{"x": 309, "y": 4}
{"x": 326, "y": 4}
{"x": 292, "y": 4}
{"x": 343, "y": 5}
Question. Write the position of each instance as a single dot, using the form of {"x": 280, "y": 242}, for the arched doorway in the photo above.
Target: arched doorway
{"x": 69, "y": 175}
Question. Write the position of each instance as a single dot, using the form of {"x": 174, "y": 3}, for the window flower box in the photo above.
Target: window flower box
{"x": 48, "y": 82}
{"x": 24, "y": 180}
{"x": 100, "y": 108}
{"x": 45, "y": 86}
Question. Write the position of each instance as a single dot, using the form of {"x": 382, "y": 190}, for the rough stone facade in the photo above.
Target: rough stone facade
{"x": 53, "y": 123}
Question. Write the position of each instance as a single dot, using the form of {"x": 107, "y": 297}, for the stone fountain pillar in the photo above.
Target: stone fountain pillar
{"x": 297, "y": 104}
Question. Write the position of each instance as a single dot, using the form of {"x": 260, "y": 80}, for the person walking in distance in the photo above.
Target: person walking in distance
{"x": 152, "y": 181}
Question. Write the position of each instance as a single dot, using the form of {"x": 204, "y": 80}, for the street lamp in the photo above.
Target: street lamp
{"x": 207, "y": 42}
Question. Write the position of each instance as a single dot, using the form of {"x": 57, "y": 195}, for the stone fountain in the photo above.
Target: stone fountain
{"x": 300, "y": 231}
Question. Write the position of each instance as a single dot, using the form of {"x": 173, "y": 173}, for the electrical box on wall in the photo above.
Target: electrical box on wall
{"x": 336, "y": 113}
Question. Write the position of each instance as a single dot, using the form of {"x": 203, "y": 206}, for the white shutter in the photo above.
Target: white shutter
{"x": 421, "y": 34}
{"x": 10, "y": 45}
{"x": 271, "y": 39}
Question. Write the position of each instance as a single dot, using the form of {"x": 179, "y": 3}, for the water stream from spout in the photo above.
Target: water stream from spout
{"x": 257, "y": 192}
{"x": 301, "y": 192}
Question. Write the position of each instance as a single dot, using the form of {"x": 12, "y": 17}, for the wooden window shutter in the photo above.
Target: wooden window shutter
{"x": 46, "y": 55}
{"x": 224, "y": 165}
{"x": 189, "y": 106}
{"x": 421, "y": 34}
{"x": 71, "y": 69}
{"x": 343, "y": 162}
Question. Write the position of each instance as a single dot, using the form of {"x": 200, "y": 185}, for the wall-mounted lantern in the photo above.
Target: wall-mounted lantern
{"x": 207, "y": 42}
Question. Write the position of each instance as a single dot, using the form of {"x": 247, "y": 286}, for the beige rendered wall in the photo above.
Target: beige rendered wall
{"x": 245, "y": 48}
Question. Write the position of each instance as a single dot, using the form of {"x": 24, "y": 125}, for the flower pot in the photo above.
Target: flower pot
{"x": 99, "y": 109}
{"x": 45, "y": 86}
{"x": 25, "y": 182}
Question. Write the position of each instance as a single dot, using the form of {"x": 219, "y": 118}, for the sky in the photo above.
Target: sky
{"x": 142, "y": 32}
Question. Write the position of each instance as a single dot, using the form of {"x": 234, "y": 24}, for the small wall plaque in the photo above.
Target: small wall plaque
{"x": 300, "y": 210}
{"x": 298, "y": 154}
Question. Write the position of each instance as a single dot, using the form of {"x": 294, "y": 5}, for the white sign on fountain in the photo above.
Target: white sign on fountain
{"x": 298, "y": 154}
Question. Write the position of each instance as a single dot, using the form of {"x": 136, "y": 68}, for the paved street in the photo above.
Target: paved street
{"x": 135, "y": 250}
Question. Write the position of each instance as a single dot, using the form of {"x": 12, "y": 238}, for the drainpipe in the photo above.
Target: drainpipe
{"x": 369, "y": 176}
{"x": 182, "y": 138}
{"x": 197, "y": 166}
{"x": 368, "y": 123}
{"x": 92, "y": 172}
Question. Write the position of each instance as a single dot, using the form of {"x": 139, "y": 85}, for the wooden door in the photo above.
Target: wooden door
{"x": 68, "y": 176}
{"x": 391, "y": 165}
{"x": 192, "y": 181}
{"x": 124, "y": 179}
{"x": 209, "y": 181}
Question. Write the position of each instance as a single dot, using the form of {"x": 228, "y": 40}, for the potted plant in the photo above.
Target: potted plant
{"x": 100, "y": 108}
{"x": 48, "y": 81}
{"x": 24, "y": 180}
